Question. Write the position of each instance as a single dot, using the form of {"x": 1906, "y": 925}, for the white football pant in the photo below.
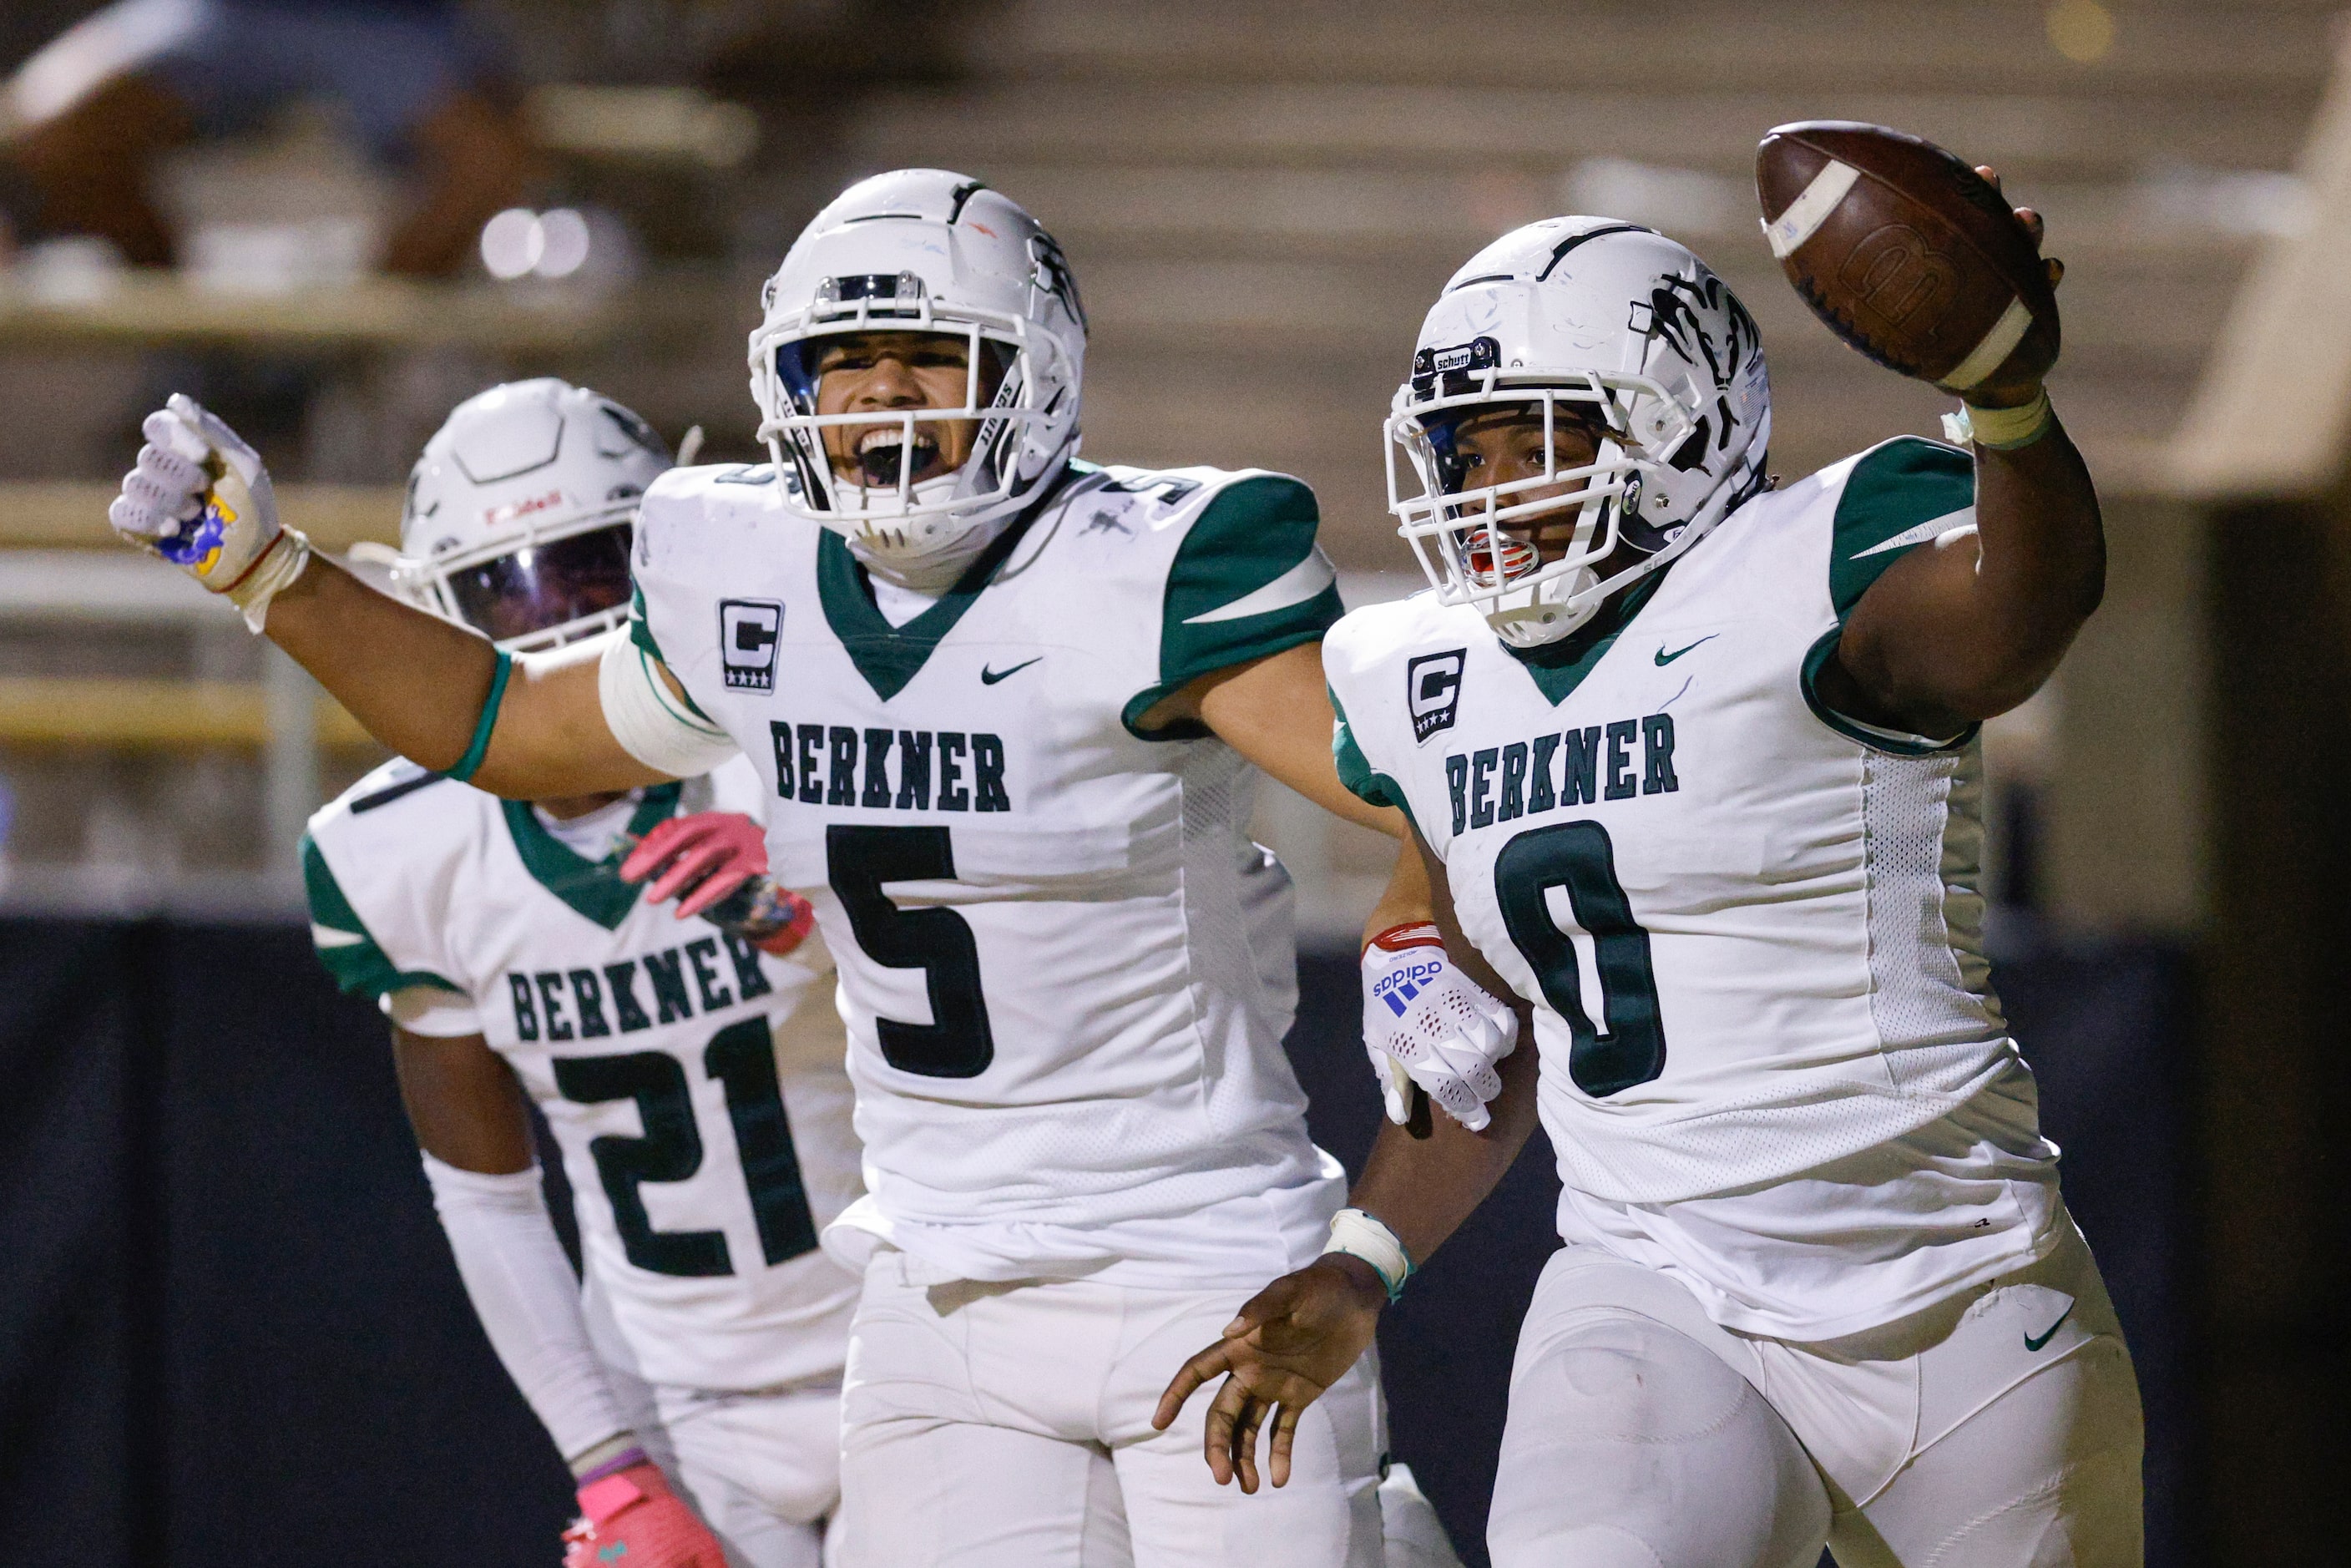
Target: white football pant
{"x": 1999, "y": 1429}
{"x": 763, "y": 1469}
{"x": 1009, "y": 1427}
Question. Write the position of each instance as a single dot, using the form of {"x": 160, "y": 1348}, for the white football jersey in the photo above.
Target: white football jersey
{"x": 1065, "y": 969}
{"x": 1751, "y": 929}
{"x": 694, "y": 1085}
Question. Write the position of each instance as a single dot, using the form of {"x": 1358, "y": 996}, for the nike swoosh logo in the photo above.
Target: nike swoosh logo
{"x": 988, "y": 677}
{"x": 2033, "y": 1344}
{"x": 1932, "y": 528}
{"x": 1664, "y": 658}
{"x": 1300, "y": 583}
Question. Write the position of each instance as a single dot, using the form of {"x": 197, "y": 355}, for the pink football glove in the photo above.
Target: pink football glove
{"x": 635, "y": 1521}
{"x": 716, "y": 864}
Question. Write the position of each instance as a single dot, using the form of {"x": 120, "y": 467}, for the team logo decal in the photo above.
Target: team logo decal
{"x": 1433, "y": 691}
{"x": 748, "y": 629}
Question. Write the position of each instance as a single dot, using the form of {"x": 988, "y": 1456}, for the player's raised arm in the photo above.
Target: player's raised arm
{"x": 1965, "y": 630}
{"x": 438, "y": 693}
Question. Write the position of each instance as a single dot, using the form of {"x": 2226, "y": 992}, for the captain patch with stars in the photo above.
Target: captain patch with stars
{"x": 748, "y": 630}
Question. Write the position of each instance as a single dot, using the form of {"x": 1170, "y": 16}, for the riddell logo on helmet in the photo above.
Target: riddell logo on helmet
{"x": 512, "y": 509}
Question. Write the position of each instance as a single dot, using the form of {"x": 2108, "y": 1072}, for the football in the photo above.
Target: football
{"x": 1907, "y": 253}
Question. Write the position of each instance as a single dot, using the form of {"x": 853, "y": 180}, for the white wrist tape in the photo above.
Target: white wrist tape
{"x": 2001, "y": 429}
{"x": 650, "y": 724}
{"x": 1359, "y": 1235}
{"x": 270, "y": 576}
{"x": 528, "y": 1298}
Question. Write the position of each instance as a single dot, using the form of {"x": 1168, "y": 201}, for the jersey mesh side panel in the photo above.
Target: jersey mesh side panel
{"x": 1962, "y": 874}
{"x": 1924, "y": 837}
{"x": 1240, "y": 926}
{"x": 1942, "y": 1037}
{"x": 1239, "y": 1123}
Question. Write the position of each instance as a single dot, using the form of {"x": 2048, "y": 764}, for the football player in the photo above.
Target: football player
{"x": 1007, "y": 710}
{"x": 690, "y": 1073}
{"x": 1693, "y": 762}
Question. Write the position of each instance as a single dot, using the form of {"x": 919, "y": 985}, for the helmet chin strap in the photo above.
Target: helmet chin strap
{"x": 1553, "y": 609}
{"x": 924, "y": 552}
{"x": 932, "y": 572}
{"x": 1545, "y": 611}
{"x": 936, "y": 568}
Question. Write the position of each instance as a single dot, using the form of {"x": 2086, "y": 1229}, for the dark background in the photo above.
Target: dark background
{"x": 232, "y": 1332}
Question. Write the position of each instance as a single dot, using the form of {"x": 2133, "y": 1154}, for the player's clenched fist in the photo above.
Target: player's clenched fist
{"x": 1426, "y": 1024}
{"x": 632, "y": 1518}
{"x": 201, "y": 498}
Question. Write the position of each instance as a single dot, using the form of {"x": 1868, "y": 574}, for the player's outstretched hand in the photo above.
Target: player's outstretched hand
{"x": 1290, "y": 1341}
{"x": 714, "y": 863}
{"x": 201, "y": 498}
{"x": 1426, "y": 1024}
{"x": 632, "y": 1516}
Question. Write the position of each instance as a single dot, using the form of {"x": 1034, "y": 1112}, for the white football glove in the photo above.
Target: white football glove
{"x": 201, "y": 499}
{"x": 1426, "y": 1024}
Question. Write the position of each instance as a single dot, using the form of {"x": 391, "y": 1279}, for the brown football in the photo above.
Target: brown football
{"x": 1907, "y": 253}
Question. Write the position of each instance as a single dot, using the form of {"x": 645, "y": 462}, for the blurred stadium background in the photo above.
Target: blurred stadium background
{"x": 229, "y": 1333}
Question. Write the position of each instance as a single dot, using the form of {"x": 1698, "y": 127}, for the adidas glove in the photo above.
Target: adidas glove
{"x": 1426, "y": 1024}
{"x": 201, "y": 499}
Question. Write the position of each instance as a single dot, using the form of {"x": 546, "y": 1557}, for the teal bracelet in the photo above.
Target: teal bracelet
{"x": 469, "y": 764}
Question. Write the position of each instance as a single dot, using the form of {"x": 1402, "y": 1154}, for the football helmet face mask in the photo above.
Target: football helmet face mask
{"x": 518, "y": 515}
{"x": 923, "y": 251}
{"x": 1576, "y": 322}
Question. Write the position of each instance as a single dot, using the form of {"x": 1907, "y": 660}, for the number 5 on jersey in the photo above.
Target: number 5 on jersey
{"x": 958, "y": 1041}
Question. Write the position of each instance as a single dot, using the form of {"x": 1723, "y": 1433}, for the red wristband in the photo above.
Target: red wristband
{"x": 1412, "y": 934}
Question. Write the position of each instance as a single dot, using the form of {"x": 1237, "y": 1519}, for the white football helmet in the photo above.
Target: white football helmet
{"x": 1600, "y": 321}
{"x": 518, "y": 513}
{"x": 922, "y": 250}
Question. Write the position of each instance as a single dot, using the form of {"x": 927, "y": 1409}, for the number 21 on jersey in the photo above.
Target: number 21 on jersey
{"x": 742, "y": 1058}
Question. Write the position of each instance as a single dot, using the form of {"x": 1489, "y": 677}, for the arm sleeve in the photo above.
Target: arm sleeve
{"x": 528, "y": 1298}
{"x": 349, "y": 951}
{"x": 429, "y": 1011}
{"x": 650, "y": 724}
{"x": 1906, "y": 493}
{"x": 1248, "y": 580}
